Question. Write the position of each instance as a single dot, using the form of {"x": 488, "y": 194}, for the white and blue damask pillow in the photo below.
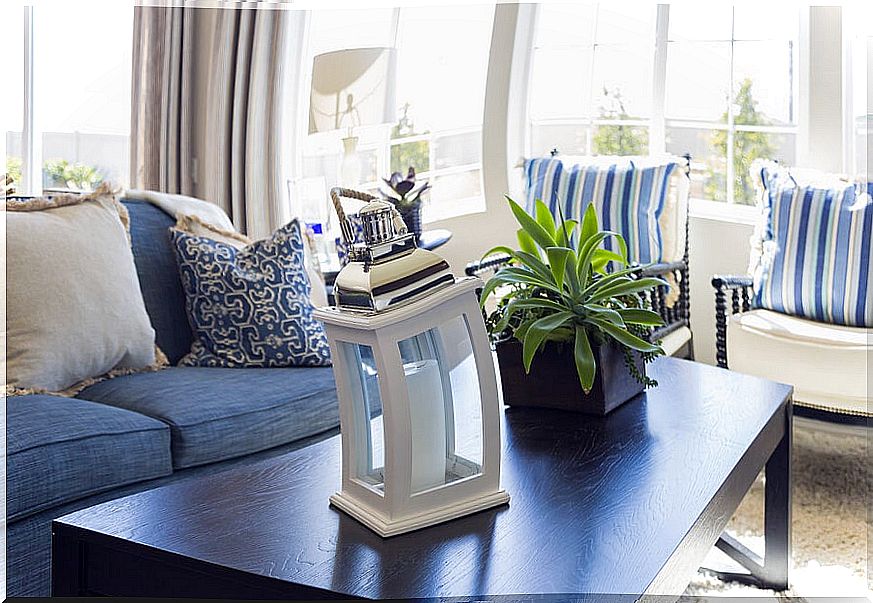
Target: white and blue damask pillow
{"x": 249, "y": 307}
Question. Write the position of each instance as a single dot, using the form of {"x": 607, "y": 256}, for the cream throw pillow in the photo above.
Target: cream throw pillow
{"x": 74, "y": 310}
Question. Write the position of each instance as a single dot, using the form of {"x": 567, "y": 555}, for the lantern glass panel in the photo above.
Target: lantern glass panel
{"x": 368, "y": 460}
{"x": 445, "y": 405}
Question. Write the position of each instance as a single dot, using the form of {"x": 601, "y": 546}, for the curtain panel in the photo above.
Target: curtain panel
{"x": 207, "y": 96}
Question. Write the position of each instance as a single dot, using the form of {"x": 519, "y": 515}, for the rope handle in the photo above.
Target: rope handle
{"x": 336, "y": 195}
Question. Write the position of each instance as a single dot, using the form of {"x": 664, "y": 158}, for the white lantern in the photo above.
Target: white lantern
{"x": 419, "y": 412}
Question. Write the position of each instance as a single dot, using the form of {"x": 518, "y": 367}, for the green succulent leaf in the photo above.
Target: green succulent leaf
{"x": 535, "y": 264}
{"x": 526, "y": 304}
{"x": 586, "y": 253}
{"x": 537, "y": 333}
{"x": 558, "y": 257}
{"x": 626, "y": 288}
{"x": 602, "y": 257}
{"x": 609, "y": 314}
{"x": 542, "y": 238}
{"x": 526, "y": 242}
{"x": 524, "y": 276}
{"x": 500, "y": 249}
{"x": 564, "y": 233}
{"x": 586, "y": 366}
{"x": 544, "y": 217}
{"x": 624, "y": 337}
{"x": 622, "y": 247}
{"x": 640, "y": 316}
{"x": 589, "y": 224}
{"x": 490, "y": 285}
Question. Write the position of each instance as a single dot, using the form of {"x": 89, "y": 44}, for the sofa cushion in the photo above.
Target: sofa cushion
{"x": 63, "y": 449}
{"x": 826, "y": 364}
{"x": 221, "y": 413}
{"x": 158, "y": 274}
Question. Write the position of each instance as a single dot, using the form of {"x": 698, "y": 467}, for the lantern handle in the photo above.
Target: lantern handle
{"x": 337, "y": 193}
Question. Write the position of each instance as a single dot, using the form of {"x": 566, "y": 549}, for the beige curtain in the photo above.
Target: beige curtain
{"x": 207, "y": 108}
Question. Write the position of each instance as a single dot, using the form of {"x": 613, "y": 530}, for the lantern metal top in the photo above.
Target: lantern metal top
{"x": 388, "y": 269}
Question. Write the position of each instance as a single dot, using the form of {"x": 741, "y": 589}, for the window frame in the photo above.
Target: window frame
{"x": 590, "y": 122}
{"x": 32, "y": 157}
{"x": 658, "y": 123}
{"x": 383, "y": 143}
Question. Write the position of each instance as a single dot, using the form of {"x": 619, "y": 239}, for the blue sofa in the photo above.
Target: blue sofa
{"x": 140, "y": 431}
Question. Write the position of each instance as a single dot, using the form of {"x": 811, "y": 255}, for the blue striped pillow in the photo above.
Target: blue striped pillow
{"x": 816, "y": 255}
{"x": 629, "y": 198}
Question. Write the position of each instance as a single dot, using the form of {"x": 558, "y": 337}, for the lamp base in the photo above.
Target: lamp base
{"x": 385, "y": 527}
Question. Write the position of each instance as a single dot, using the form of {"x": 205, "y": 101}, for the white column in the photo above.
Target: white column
{"x": 820, "y": 138}
{"x": 658, "y": 131}
{"x": 31, "y": 152}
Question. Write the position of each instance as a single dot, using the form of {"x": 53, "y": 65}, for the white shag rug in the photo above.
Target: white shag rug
{"x": 830, "y": 524}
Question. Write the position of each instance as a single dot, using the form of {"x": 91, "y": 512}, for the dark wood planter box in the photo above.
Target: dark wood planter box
{"x": 553, "y": 382}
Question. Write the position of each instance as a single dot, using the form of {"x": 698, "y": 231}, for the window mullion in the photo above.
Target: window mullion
{"x": 658, "y": 132}
{"x": 589, "y": 133}
{"x": 729, "y": 172}
{"x": 31, "y": 174}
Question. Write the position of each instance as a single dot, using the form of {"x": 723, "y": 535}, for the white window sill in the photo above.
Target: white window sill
{"x": 723, "y": 212}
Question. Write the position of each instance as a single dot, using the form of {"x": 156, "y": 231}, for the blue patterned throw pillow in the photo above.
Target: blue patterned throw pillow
{"x": 816, "y": 251}
{"x": 249, "y": 307}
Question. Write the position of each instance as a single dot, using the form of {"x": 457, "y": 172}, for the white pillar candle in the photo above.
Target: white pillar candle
{"x": 428, "y": 418}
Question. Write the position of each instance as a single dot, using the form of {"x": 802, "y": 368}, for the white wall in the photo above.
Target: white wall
{"x": 820, "y": 139}
{"x": 715, "y": 247}
{"x": 475, "y": 234}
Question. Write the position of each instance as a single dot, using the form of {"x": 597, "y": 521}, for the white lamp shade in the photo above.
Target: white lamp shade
{"x": 352, "y": 87}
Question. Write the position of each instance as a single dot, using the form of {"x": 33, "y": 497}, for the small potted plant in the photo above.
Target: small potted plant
{"x": 406, "y": 197}
{"x": 587, "y": 324}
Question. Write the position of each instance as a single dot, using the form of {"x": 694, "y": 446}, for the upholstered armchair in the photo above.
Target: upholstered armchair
{"x": 804, "y": 318}
{"x": 571, "y": 183}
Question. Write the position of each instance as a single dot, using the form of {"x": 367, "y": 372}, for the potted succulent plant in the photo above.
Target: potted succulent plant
{"x": 406, "y": 197}
{"x": 588, "y": 324}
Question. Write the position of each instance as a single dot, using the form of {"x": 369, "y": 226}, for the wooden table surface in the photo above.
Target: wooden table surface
{"x": 628, "y": 504}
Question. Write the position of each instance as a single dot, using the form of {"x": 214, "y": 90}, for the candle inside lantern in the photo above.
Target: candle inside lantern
{"x": 428, "y": 418}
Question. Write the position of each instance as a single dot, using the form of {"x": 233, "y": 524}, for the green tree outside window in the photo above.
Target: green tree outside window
{"x": 618, "y": 139}
{"x": 415, "y": 154}
{"x": 13, "y": 168}
{"x": 61, "y": 173}
{"x": 748, "y": 146}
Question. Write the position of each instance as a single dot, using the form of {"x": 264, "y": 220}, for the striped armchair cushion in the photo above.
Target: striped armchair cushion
{"x": 816, "y": 250}
{"x": 629, "y": 196}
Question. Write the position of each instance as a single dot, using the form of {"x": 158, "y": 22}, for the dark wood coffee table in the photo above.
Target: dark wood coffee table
{"x": 626, "y": 504}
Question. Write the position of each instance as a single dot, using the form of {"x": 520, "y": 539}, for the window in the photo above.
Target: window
{"x": 80, "y": 97}
{"x": 729, "y": 95}
{"x": 591, "y": 84}
{"x": 11, "y": 101}
{"x": 442, "y": 62}
{"x": 858, "y": 110}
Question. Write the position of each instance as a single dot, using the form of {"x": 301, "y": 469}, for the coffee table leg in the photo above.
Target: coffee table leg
{"x": 66, "y": 564}
{"x": 771, "y": 571}
{"x": 777, "y": 511}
